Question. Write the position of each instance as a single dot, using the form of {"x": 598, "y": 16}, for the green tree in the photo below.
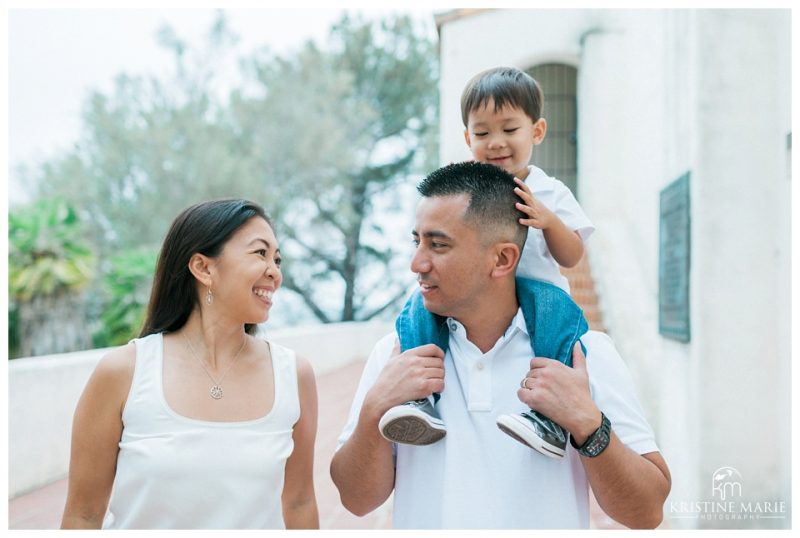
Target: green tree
{"x": 318, "y": 136}
{"x": 151, "y": 147}
{"x": 50, "y": 265}
{"x": 126, "y": 284}
{"x": 332, "y": 131}
{"x": 13, "y": 330}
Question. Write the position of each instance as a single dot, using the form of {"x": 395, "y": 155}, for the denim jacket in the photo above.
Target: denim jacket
{"x": 553, "y": 320}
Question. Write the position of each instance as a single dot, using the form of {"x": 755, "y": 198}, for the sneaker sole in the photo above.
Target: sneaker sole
{"x": 410, "y": 430}
{"x": 512, "y": 426}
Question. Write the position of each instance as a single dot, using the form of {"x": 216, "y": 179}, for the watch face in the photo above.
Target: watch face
{"x": 599, "y": 439}
{"x": 598, "y": 443}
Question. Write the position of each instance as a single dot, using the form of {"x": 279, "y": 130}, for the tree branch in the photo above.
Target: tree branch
{"x": 381, "y": 174}
{"x": 303, "y": 293}
{"x": 329, "y": 217}
{"x": 402, "y": 293}
{"x": 332, "y": 264}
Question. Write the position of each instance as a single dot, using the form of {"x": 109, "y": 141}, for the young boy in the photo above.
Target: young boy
{"x": 501, "y": 110}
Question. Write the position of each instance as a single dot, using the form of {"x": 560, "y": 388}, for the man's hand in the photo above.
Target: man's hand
{"x": 539, "y": 216}
{"x": 412, "y": 375}
{"x": 629, "y": 487}
{"x": 562, "y": 394}
{"x": 363, "y": 468}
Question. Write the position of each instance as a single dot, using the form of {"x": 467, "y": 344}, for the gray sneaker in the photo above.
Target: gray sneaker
{"x": 537, "y": 431}
{"x": 412, "y": 423}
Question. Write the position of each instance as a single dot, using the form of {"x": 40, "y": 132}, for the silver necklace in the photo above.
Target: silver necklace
{"x": 216, "y": 389}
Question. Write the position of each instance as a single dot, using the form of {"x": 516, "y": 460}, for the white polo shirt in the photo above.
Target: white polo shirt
{"x": 536, "y": 260}
{"x": 478, "y": 477}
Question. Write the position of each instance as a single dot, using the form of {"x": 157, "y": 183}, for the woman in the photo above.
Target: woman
{"x": 197, "y": 423}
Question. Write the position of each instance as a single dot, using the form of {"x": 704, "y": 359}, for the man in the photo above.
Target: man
{"x": 469, "y": 244}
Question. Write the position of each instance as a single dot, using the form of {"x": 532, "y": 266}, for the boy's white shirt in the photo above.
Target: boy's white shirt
{"x": 537, "y": 262}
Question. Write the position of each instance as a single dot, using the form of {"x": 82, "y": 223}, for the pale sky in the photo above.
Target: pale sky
{"x": 56, "y": 56}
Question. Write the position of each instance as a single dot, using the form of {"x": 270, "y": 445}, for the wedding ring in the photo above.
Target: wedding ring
{"x": 523, "y": 383}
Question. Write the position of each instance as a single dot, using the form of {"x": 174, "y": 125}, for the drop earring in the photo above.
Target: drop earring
{"x": 209, "y": 296}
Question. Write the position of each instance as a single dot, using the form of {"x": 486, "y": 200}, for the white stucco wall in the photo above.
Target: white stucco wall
{"x": 660, "y": 93}
{"x": 741, "y": 197}
{"x": 43, "y": 393}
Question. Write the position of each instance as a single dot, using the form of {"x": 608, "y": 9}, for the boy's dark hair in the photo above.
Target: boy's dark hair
{"x": 491, "y": 198}
{"x": 202, "y": 228}
{"x": 505, "y": 86}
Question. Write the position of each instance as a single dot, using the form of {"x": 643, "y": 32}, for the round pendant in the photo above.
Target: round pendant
{"x": 216, "y": 392}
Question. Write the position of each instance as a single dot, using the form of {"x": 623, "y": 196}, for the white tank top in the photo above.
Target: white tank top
{"x": 175, "y": 472}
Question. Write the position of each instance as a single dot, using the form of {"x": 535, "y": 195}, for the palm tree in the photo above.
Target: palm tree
{"x": 126, "y": 292}
{"x": 50, "y": 264}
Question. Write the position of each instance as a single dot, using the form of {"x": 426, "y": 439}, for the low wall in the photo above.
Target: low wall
{"x": 43, "y": 393}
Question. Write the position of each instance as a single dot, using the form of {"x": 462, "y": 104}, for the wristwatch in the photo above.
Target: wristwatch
{"x": 597, "y": 442}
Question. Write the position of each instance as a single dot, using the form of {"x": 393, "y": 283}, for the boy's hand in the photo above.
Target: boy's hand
{"x": 539, "y": 216}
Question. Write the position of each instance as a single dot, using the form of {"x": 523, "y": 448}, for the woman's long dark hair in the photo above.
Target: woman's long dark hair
{"x": 202, "y": 228}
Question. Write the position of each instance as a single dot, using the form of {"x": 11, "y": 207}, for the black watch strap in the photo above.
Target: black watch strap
{"x": 597, "y": 442}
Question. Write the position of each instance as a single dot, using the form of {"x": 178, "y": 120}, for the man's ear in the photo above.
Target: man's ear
{"x": 200, "y": 267}
{"x": 505, "y": 260}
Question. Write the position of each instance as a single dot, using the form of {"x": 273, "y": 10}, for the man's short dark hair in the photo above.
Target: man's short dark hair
{"x": 504, "y": 86}
{"x": 491, "y": 198}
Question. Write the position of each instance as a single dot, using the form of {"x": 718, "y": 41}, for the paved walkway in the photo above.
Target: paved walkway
{"x": 41, "y": 509}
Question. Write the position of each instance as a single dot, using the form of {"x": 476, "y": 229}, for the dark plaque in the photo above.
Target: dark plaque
{"x": 673, "y": 261}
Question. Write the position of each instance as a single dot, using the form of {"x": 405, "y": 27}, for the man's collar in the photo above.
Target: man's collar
{"x": 517, "y": 322}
